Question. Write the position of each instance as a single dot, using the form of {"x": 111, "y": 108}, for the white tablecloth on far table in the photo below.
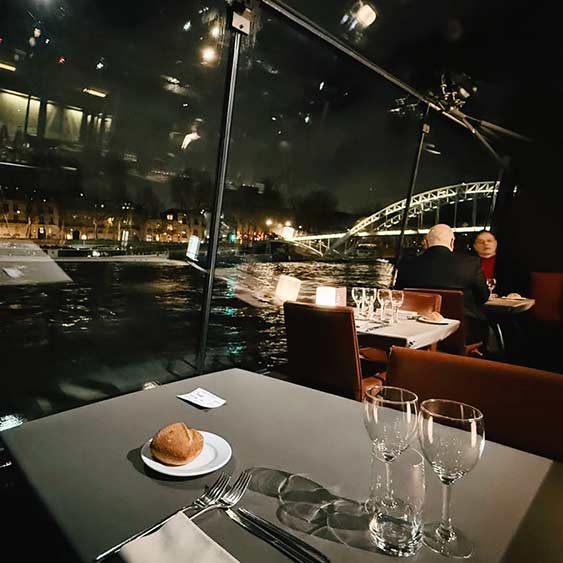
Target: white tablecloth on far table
{"x": 417, "y": 334}
{"x": 504, "y": 305}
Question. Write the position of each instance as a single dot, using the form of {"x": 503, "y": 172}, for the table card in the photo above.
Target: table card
{"x": 203, "y": 398}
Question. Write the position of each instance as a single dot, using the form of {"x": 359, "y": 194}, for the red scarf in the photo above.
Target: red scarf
{"x": 488, "y": 266}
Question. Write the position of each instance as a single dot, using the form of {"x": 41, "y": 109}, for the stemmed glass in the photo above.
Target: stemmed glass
{"x": 397, "y": 298}
{"x": 358, "y": 297}
{"x": 390, "y": 418}
{"x": 491, "y": 284}
{"x": 452, "y": 438}
{"x": 370, "y": 295}
{"x": 384, "y": 298}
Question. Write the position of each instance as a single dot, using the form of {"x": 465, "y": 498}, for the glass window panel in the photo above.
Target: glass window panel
{"x": 109, "y": 127}
{"x": 316, "y": 146}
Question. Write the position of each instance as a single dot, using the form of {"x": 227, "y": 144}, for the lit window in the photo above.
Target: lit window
{"x": 170, "y": 217}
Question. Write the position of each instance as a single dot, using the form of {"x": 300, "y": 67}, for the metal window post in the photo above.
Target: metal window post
{"x": 240, "y": 23}
{"x": 424, "y": 130}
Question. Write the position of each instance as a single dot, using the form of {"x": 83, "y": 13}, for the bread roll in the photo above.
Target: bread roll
{"x": 514, "y": 296}
{"x": 176, "y": 444}
{"x": 435, "y": 316}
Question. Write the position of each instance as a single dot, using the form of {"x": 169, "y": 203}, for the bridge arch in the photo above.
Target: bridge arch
{"x": 391, "y": 215}
{"x": 425, "y": 201}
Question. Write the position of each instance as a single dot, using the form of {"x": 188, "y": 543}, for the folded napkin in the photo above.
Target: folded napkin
{"x": 179, "y": 540}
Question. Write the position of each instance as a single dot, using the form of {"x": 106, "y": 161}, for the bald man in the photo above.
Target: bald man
{"x": 438, "y": 267}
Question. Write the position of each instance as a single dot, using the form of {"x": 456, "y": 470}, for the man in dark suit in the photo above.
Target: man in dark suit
{"x": 439, "y": 268}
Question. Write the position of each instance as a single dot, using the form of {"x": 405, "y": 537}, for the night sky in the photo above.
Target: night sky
{"x": 306, "y": 117}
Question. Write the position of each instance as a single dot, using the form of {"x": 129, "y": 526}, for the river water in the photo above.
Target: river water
{"x": 120, "y": 324}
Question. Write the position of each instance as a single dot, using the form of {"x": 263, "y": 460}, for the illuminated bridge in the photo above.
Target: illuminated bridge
{"x": 386, "y": 221}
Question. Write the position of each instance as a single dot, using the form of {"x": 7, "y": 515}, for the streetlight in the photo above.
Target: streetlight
{"x": 269, "y": 222}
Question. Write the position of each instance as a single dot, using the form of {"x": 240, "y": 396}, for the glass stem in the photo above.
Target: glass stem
{"x": 388, "y": 484}
{"x": 445, "y": 530}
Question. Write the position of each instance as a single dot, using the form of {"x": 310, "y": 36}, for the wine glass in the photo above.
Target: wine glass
{"x": 370, "y": 295}
{"x": 491, "y": 284}
{"x": 452, "y": 438}
{"x": 390, "y": 418}
{"x": 384, "y": 297}
{"x": 397, "y": 298}
{"x": 357, "y": 296}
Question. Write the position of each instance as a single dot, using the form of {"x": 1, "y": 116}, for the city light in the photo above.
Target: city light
{"x": 215, "y": 31}
{"x": 6, "y": 66}
{"x": 94, "y": 92}
{"x": 321, "y": 86}
{"x": 208, "y": 54}
{"x": 187, "y": 25}
{"x": 269, "y": 222}
{"x": 288, "y": 223}
{"x": 307, "y": 118}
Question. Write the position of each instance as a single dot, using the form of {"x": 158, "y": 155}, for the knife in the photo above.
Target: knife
{"x": 281, "y": 533}
{"x": 294, "y": 552}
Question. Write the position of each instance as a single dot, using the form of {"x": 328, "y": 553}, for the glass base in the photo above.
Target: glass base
{"x": 456, "y": 546}
{"x": 392, "y": 532}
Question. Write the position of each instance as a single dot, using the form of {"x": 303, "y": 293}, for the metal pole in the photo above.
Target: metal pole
{"x": 424, "y": 130}
{"x": 215, "y": 228}
{"x": 494, "y": 198}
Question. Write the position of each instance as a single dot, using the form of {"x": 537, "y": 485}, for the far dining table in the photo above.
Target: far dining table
{"x": 310, "y": 457}
{"x": 408, "y": 332}
{"x": 504, "y": 311}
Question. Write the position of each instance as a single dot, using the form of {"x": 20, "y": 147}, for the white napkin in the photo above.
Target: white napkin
{"x": 179, "y": 540}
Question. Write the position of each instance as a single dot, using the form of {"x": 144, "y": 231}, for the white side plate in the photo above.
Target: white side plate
{"x": 432, "y": 321}
{"x": 215, "y": 454}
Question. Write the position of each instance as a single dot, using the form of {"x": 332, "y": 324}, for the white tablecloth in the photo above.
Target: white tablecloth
{"x": 417, "y": 334}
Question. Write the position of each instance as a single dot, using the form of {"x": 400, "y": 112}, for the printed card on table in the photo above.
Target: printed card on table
{"x": 203, "y": 398}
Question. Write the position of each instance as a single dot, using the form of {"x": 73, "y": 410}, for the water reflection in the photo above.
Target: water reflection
{"x": 118, "y": 318}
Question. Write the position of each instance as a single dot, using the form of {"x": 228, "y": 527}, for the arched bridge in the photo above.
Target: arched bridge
{"x": 383, "y": 221}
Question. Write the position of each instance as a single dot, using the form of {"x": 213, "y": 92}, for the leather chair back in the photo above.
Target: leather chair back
{"x": 323, "y": 348}
{"x": 422, "y": 303}
{"x": 522, "y": 406}
{"x": 451, "y": 308}
{"x": 546, "y": 289}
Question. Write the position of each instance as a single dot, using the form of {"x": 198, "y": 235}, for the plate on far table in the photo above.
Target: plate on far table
{"x": 514, "y": 298}
{"x": 432, "y": 321}
{"x": 215, "y": 454}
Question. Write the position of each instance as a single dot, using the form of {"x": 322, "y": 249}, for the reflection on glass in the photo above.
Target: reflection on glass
{"x": 109, "y": 125}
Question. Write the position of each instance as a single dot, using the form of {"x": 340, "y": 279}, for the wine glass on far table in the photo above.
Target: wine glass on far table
{"x": 370, "y": 295}
{"x": 397, "y": 298}
{"x": 452, "y": 438}
{"x": 384, "y": 298}
{"x": 358, "y": 297}
{"x": 491, "y": 284}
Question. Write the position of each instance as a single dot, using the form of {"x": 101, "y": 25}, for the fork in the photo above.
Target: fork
{"x": 231, "y": 497}
{"x": 212, "y": 495}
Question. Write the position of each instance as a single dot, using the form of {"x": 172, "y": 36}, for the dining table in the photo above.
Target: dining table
{"x": 309, "y": 455}
{"x": 410, "y": 332}
{"x": 502, "y": 312}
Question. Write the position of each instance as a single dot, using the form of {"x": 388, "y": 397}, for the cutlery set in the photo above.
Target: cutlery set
{"x": 224, "y": 497}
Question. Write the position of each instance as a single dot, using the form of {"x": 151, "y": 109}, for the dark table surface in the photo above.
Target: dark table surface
{"x": 307, "y": 449}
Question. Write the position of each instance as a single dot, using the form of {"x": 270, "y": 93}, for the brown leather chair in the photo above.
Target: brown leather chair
{"x": 452, "y": 308}
{"x": 421, "y": 303}
{"x": 546, "y": 289}
{"x": 323, "y": 349}
{"x": 522, "y": 406}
